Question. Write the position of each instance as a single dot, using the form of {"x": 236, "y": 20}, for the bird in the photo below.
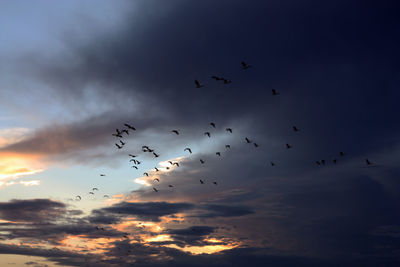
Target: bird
{"x": 176, "y": 163}
{"x": 170, "y": 162}
{"x": 201, "y": 161}
{"x": 188, "y": 149}
{"x": 156, "y": 179}
{"x": 247, "y": 140}
{"x": 323, "y": 162}
{"x": 227, "y": 146}
{"x": 215, "y": 183}
{"x": 212, "y": 124}
{"x": 95, "y": 188}
{"x": 368, "y": 162}
{"x": 170, "y": 185}
{"x": 106, "y": 196}
{"x": 145, "y": 173}
{"x": 341, "y": 153}
{"x": 133, "y": 156}
{"x": 198, "y": 85}
{"x": 156, "y": 169}
{"x": 102, "y": 174}
{"x": 156, "y": 155}
{"x": 122, "y": 142}
{"x": 318, "y": 163}
{"x": 130, "y": 126}
{"x": 295, "y": 129}
{"x": 91, "y": 193}
{"x": 135, "y": 167}
{"x": 208, "y": 134}
{"x": 274, "y": 92}
{"x": 228, "y": 130}
{"x": 256, "y": 145}
{"x": 155, "y": 189}
{"x": 227, "y": 81}
{"x": 218, "y": 154}
{"x": 245, "y": 65}
{"x": 334, "y": 161}
{"x": 201, "y": 181}
{"x": 167, "y": 168}
{"x": 217, "y": 78}
{"x": 288, "y": 146}
{"x": 125, "y": 131}
{"x": 272, "y": 163}
{"x": 78, "y": 197}
{"x": 119, "y": 147}
{"x": 118, "y": 131}
{"x": 175, "y": 131}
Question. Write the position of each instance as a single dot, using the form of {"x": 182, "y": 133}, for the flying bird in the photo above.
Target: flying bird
{"x": 170, "y": 162}
{"x": 198, "y": 85}
{"x": 201, "y": 181}
{"x": 228, "y": 130}
{"x": 256, "y": 145}
{"x": 170, "y": 185}
{"x": 218, "y": 154}
{"x": 156, "y": 179}
{"x": 247, "y": 140}
{"x": 78, "y": 197}
{"x": 117, "y": 135}
{"x": 155, "y": 189}
{"x": 215, "y": 183}
{"x": 106, "y": 196}
{"x": 323, "y": 162}
{"x": 188, "y": 149}
{"x": 201, "y": 161}
{"x": 135, "y": 167}
{"x": 227, "y": 146}
{"x": 368, "y": 162}
{"x": 227, "y": 81}
{"x": 156, "y": 155}
{"x": 156, "y": 169}
{"x": 91, "y": 193}
{"x": 125, "y": 131}
{"x": 130, "y": 126}
{"x": 122, "y": 143}
{"x": 176, "y": 163}
{"x": 119, "y": 147}
{"x": 272, "y": 163}
{"x": 245, "y": 66}
{"x": 212, "y": 124}
{"x": 295, "y": 129}
{"x": 95, "y": 188}
{"x": 318, "y": 163}
{"x": 102, "y": 174}
{"x": 288, "y": 146}
{"x": 217, "y": 78}
{"x": 334, "y": 161}
{"x": 341, "y": 154}
{"x": 133, "y": 156}
{"x": 274, "y": 92}
{"x": 175, "y": 131}
{"x": 145, "y": 173}
{"x": 208, "y": 134}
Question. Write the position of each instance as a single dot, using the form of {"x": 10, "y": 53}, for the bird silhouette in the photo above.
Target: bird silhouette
{"x": 247, "y": 140}
{"x": 188, "y": 149}
{"x": 156, "y": 155}
{"x": 198, "y": 85}
{"x": 107, "y": 196}
{"x": 212, "y": 124}
{"x": 91, "y": 193}
{"x": 245, "y": 66}
{"x": 201, "y": 161}
{"x": 170, "y": 185}
{"x": 122, "y": 142}
{"x": 125, "y": 131}
{"x": 156, "y": 179}
{"x": 117, "y": 135}
{"x": 334, "y": 161}
{"x": 155, "y": 189}
{"x": 368, "y": 162}
{"x": 176, "y": 163}
{"x": 78, "y": 197}
{"x": 118, "y": 146}
{"x": 228, "y": 130}
{"x": 218, "y": 154}
{"x": 318, "y": 163}
{"x": 135, "y": 167}
{"x": 288, "y": 146}
{"x": 175, "y": 131}
{"x": 256, "y": 145}
{"x": 156, "y": 169}
{"x": 145, "y": 173}
{"x": 130, "y": 126}
{"x": 274, "y": 92}
{"x": 217, "y": 78}
{"x": 341, "y": 153}
{"x": 95, "y": 188}
{"x": 133, "y": 156}
{"x": 215, "y": 183}
{"x": 208, "y": 134}
{"x": 227, "y": 81}
{"x": 170, "y": 162}
{"x": 102, "y": 175}
{"x": 323, "y": 161}
{"x": 227, "y": 146}
{"x": 295, "y": 129}
{"x": 201, "y": 181}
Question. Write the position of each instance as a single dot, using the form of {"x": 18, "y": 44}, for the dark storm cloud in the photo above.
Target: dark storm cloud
{"x": 32, "y": 210}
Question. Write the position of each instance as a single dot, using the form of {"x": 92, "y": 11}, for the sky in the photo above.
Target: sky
{"x": 311, "y": 173}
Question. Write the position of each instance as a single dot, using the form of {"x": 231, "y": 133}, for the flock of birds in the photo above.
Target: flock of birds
{"x": 146, "y": 149}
